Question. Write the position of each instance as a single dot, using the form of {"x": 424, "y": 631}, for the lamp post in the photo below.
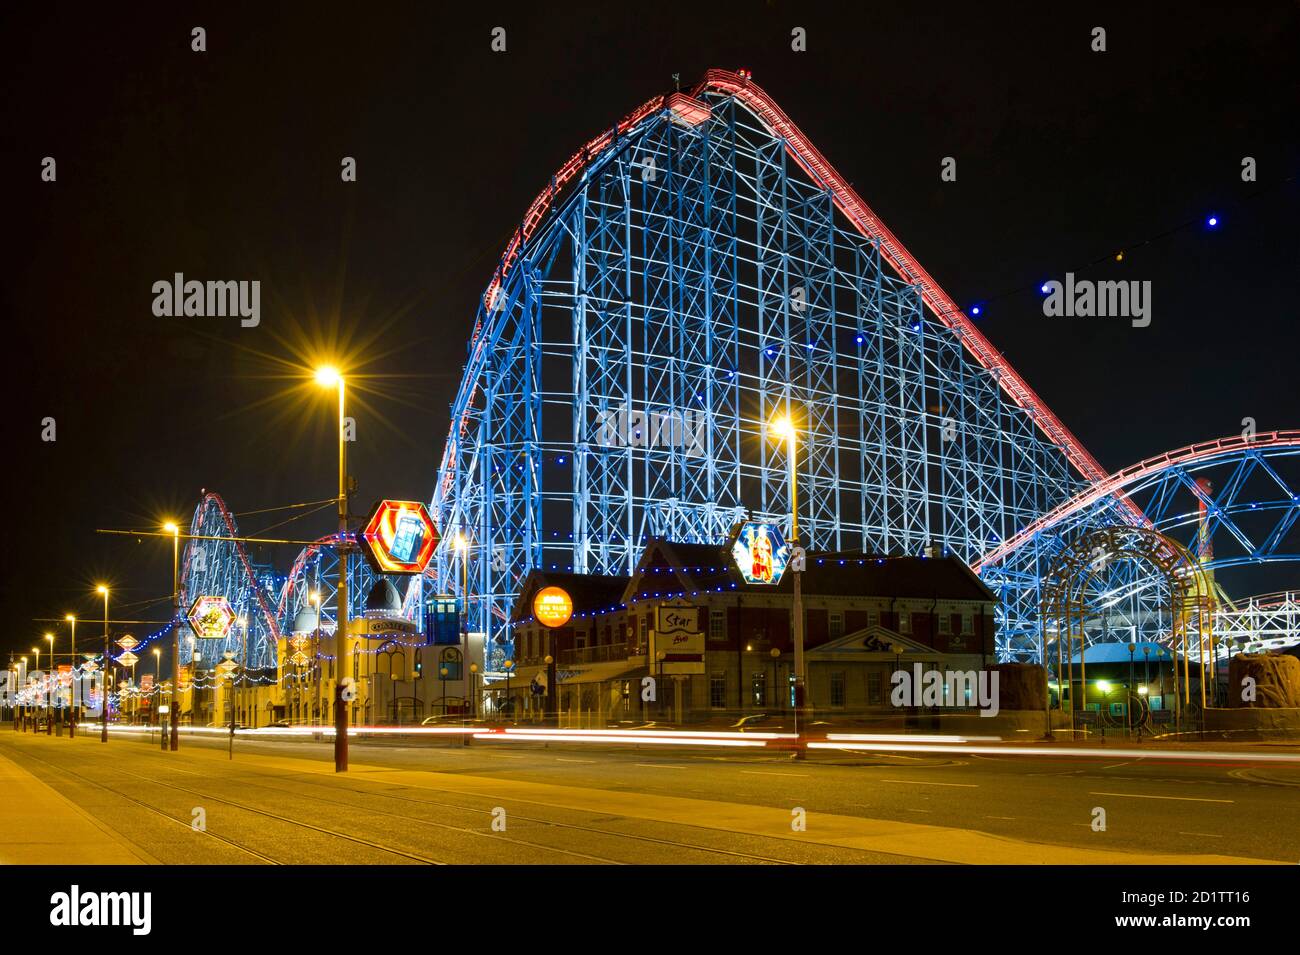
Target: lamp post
{"x": 510, "y": 668}
{"x": 242, "y": 623}
{"x": 784, "y": 428}
{"x": 330, "y": 378}
{"x": 1128, "y": 697}
{"x": 103, "y": 702}
{"x": 50, "y": 691}
{"x": 172, "y": 739}
{"x": 473, "y": 689}
{"x": 37, "y": 668}
{"x": 26, "y": 705}
{"x": 76, "y": 679}
{"x": 157, "y": 686}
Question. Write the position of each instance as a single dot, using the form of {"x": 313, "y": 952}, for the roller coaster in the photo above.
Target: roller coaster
{"x": 689, "y": 273}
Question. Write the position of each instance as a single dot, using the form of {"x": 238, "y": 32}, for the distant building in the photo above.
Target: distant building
{"x": 866, "y": 616}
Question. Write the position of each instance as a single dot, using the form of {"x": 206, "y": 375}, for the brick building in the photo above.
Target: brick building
{"x": 865, "y": 617}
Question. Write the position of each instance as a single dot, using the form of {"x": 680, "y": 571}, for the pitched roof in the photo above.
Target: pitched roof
{"x": 710, "y": 567}
{"x": 589, "y": 592}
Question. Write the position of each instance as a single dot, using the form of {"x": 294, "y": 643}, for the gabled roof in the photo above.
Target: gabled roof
{"x": 708, "y": 567}
{"x": 589, "y": 592}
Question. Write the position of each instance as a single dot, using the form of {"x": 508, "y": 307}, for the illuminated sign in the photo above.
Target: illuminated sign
{"x": 760, "y": 553}
{"x": 552, "y": 607}
{"x": 399, "y": 537}
{"x": 678, "y": 630}
{"x": 211, "y": 618}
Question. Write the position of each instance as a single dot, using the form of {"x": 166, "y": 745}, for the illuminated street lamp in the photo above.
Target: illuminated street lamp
{"x": 103, "y": 696}
{"x": 37, "y": 668}
{"x": 76, "y": 680}
{"x": 172, "y": 740}
{"x": 157, "y": 687}
{"x": 784, "y": 428}
{"x": 329, "y": 377}
{"x": 50, "y": 689}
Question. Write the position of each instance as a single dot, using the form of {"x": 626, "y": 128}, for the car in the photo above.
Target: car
{"x": 450, "y": 719}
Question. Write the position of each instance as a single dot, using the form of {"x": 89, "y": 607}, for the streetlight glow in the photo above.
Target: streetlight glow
{"x": 328, "y": 376}
{"x": 783, "y": 427}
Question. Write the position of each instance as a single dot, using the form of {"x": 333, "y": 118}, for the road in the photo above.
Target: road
{"x": 435, "y": 802}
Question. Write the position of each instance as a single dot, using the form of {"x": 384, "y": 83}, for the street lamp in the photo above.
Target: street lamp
{"x": 37, "y": 668}
{"x": 103, "y": 683}
{"x": 157, "y": 687}
{"x": 510, "y": 668}
{"x": 76, "y": 679}
{"x": 50, "y": 697}
{"x": 172, "y": 740}
{"x": 242, "y": 623}
{"x": 784, "y": 428}
{"x": 329, "y": 377}
{"x": 26, "y": 673}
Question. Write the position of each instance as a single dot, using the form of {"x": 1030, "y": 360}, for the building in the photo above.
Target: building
{"x": 405, "y": 671}
{"x": 865, "y": 617}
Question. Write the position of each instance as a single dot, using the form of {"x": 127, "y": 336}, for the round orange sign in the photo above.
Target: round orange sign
{"x": 552, "y": 607}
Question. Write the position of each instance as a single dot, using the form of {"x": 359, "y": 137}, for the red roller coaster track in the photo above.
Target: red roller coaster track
{"x": 858, "y": 212}
{"x": 1114, "y": 483}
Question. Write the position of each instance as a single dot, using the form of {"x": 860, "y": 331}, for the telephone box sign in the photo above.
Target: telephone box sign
{"x": 399, "y": 537}
{"x": 211, "y": 618}
{"x": 761, "y": 553}
{"x": 552, "y": 607}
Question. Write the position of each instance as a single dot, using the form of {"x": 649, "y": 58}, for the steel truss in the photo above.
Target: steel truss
{"x": 704, "y": 270}
{"x": 1231, "y": 502}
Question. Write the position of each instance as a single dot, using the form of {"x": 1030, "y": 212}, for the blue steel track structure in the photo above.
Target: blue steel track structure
{"x": 687, "y": 277}
{"x": 691, "y": 273}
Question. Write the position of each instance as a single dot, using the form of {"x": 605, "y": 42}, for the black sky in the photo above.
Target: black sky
{"x": 225, "y": 164}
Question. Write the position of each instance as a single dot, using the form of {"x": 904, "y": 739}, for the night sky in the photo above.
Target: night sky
{"x": 225, "y": 165}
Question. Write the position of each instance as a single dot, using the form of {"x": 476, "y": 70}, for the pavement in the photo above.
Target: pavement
{"x": 37, "y": 822}
{"x": 435, "y": 802}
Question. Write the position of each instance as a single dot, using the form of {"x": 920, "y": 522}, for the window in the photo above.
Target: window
{"x": 837, "y": 688}
{"x": 718, "y": 691}
{"x": 758, "y": 689}
{"x": 645, "y": 631}
{"x": 836, "y": 624}
{"x": 904, "y": 621}
{"x": 967, "y": 623}
{"x": 451, "y": 661}
{"x": 945, "y": 624}
{"x": 873, "y": 618}
{"x": 717, "y": 624}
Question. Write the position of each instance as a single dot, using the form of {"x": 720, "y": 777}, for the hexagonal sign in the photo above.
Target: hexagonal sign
{"x": 399, "y": 537}
{"x": 761, "y": 553}
{"x": 211, "y": 618}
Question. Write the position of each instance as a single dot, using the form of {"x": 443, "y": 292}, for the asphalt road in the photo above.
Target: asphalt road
{"x": 435, "y": 802}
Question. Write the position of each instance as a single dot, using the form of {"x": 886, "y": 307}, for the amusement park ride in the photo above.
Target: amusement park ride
{"x": 689, "y": 274}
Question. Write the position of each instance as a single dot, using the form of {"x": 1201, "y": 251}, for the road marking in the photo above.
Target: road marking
{"x": 925, "y": 782}
{"x": 918, "y": 810}
{"x": 758, "y": 772}
{"x": 1207, "y": 835}
{"x": 1000, "y": 817}
{"x": 561, "y": 759}
{"x": 1178, "y": 798}
{"x": 659, "y": 766}
{"x": 1117, "y": 765}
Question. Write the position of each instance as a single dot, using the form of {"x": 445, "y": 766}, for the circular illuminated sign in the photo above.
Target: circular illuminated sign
{"x": 552, "y": 607}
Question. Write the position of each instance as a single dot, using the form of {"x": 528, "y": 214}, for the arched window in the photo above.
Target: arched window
{"x": 451, "y": 662}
